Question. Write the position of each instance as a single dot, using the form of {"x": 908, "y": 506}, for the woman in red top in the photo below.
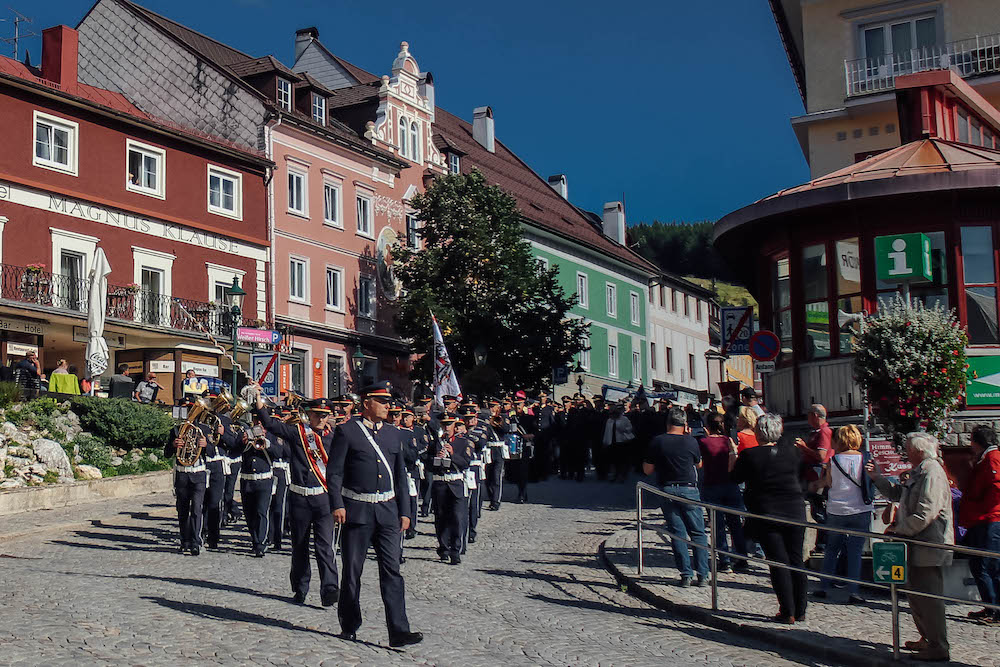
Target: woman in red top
{"x": 979, "y": 511}
{"x": 746, "y": 422}
{"x": 718, "y": 455}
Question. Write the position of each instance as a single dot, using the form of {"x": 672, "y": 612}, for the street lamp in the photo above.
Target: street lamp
{"x": 579, "y": 383}
{"x": 479, "y": 354}
{"x": 234, "y": 297}
{"x": 358, "y": 362}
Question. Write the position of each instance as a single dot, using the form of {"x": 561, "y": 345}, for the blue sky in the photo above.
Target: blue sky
{"x": 681, "y": 107}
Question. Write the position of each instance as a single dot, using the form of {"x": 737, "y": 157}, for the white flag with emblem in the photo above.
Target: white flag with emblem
{"x": 445, "y": 381}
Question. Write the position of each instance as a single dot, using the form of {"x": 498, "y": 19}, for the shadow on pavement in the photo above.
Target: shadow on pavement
{"x": 212, "y": 585}
{"x": 548, "y": 578}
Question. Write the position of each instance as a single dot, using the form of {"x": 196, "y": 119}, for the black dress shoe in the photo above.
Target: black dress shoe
{"x": 328, "y": 599}
{"x": 299, "y": 598}
{"x": 442, "y": 556}
{"x": 258, "y": 553}
{"x": 195, "y": 551}
{"x": 402, "y": 559}
{"x": 349, "y": 636}
{"x": 472, "y": 540}
{"x": 405, "y": 639}
{"x": 455, "y": 560}
{"x": 213, "y": 545}
{"x": 181, "y": 549}
{"x": 463, "y": 551}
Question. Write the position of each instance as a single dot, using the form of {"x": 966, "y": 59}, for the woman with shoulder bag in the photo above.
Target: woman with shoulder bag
{"x": 848, "y": 505}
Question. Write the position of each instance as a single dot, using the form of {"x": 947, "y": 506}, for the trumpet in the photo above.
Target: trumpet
{"x": 257, "y": 438}
{"x": 294, "y": 402}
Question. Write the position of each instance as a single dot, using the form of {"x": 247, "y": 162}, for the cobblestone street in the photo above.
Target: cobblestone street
{"x": 530, "y": 592}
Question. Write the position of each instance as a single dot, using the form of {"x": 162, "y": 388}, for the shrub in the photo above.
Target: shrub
{"x": 51, "y": 477}
{"x": 122, "y": 423}
{"x": 10, "y": 393}
{"x": 911, "y": 361}
{"x": 93, "y": 451}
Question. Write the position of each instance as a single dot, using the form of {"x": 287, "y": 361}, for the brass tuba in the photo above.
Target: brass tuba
{"x": 240, "y": 410}
{"x": 189, "y": 452}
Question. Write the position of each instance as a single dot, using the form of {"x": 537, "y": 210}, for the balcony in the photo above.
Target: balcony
{"x": 967, "y": 57}
{"x": 125, "y": 304}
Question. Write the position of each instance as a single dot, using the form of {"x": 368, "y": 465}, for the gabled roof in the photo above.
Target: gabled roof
{"x": 312, "y": 82}
{"x": 262, "y": 65}
{"x": 360, "y": 75}
{"x": 363, "y": 93}
{"x": 540, "y": 205}
{"x": 207, "y": 47}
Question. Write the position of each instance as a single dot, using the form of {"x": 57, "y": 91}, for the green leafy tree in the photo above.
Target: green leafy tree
{"x": 911, "y": 361}
{"x": 683, "y": 248}
{"x": 478, "y": 276}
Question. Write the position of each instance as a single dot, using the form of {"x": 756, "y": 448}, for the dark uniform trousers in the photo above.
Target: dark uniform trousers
{"x": 494, "y": 476}
{"x": 214, "y": 495}
{"x": 190, "y": 490}
{"x": 278, "y": 507}
{"x": 229, "y": 495}
{"x": 377, "y": 525}
{"x": 313, "y": 512}
{"x": 256, "y": 494}
{"x": 450, "y": 504}
{"x": 473, "y": 516}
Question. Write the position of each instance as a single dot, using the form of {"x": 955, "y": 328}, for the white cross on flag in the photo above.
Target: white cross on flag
{"x": 445, "y": 381}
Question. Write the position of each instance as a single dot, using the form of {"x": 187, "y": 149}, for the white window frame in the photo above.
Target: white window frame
{"x": 317, "y": 109}
{"x": 337, "y": 307}
{"x": 218, "y": 273}
{"x": 612, "y": 360}
{"x": 304, "y": 261}
{"x": 411, "y": 220}
{"x": 338, "y": 212}
{"x": 633, "y": 302}
{"x": 72, "y": 242}
{"x": 373, "y": 300}
{"x": 611, "y": 299}
{"x": 692, "y": 368}
{"x": 303, "y": 207}
{"x": 582, "y": 295}
{"x": 284, "y": 94}
{"x": 146, "y": 150}
{"x": 454, "y": 163}
{"x": 237, "y": 178}
{"x": 415, "y": 133}
{"x": 72, "y": 144}
{"x": 368, "y": 233}
{"x": 637, "y": 365}
{"x": 886, "y": 27}
{"x": 154, "y": 260}
{"x": 585, "y": 354}
{"x": 403, "y": 129}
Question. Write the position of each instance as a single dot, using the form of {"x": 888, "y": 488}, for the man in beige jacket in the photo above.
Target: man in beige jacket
{"x": 924, "y": 514}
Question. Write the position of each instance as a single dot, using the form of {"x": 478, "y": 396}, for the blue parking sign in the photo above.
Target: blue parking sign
{"x": 264, "y": 368}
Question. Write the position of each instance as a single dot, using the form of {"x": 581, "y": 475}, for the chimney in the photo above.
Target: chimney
{"x": 614, "y": 221}
{"x": 558, "y": 183}
{"x": 303, "y": 38}
{"x": 426, "y": 90}
{"x": 482, "y": 128}
{"x": 60, "y": 48}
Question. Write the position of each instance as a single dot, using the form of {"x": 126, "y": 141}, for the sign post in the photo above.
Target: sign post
{"x": 889, "y": 567}
{"x": 737, "y": 328}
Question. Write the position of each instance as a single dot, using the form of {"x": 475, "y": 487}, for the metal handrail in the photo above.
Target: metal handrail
{"x": 714, "y": 551}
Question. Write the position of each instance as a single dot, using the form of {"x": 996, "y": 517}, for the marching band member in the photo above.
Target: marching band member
{"x": 526, "y": 426}
{"x": 476, "y": 473}
{"x": 257, "y": 483}
{"x": 427, "y": 435}
{"x": 450, "y": 460}
{"x": 279, "y": 492}
{"x": 224, "y": 440}
{"x": 308, "y": 505}
{"x": 496, "y": 428}
{"x": 189, "y": 486}
{"x": 368, "y": 496}
{"x": 411, "y": 455}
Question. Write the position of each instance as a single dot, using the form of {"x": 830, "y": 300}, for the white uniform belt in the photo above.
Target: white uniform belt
{"x": 231, "y": 460}
{"x": 449, "y": 477}
{"x": 306, "y": 490}
{"x": 213, "y": 459}
{"x": 282, "y": 464}
{"x": 496, "y": 443}
{"x": 256, "y": 475}
{"x": 477, "y": 463}
{"x": 368, "y": 497}
{"x": 196, "y": 468}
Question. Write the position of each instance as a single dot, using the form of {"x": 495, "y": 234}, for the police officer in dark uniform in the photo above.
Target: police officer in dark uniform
{"x": 448, "y": 466}
{"x": 368, "y": 496}
{"x": 308, "y": 502}
{"x": 189, "y": 488}
{"x": 257, "y": 483}
{"x": 281, "y": 468}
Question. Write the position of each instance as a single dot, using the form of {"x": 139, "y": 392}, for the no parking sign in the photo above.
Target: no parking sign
{"x": 764, "y": 346}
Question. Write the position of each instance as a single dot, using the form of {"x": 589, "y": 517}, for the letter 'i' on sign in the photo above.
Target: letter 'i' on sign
{"x": 903, "y": 258}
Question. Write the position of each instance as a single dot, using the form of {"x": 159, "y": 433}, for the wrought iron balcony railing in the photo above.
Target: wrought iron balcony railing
{"x": 967, "y": 57}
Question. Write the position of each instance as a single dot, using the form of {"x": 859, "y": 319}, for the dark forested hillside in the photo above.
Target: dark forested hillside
{"x": 681, "y": 248}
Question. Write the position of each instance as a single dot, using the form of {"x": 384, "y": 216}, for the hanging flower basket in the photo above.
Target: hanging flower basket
{"x": 35, "y": 268}
{"x": 132, "y": 288}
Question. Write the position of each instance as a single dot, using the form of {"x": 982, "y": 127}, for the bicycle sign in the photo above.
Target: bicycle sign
{"x": 889, "y": 563}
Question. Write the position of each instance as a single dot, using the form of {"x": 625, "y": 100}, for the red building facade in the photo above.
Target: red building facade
{"x": 178, "y": 213}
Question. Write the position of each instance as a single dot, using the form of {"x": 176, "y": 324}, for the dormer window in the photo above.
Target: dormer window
{"x": 319, "y": 109}
{"x": 285, "y": 94}
{"x": 454, "y": 164}
{"x": 403, "y": 136}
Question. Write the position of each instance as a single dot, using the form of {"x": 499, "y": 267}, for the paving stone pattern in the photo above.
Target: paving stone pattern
{"x": 748, "y": 600}
{"x": 530, "y": 592}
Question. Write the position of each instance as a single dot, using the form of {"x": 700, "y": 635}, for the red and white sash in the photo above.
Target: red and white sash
{"x": 315, "y": 454}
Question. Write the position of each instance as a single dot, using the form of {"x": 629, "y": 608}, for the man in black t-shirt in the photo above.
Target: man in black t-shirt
{"x": 674, "y": 458}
